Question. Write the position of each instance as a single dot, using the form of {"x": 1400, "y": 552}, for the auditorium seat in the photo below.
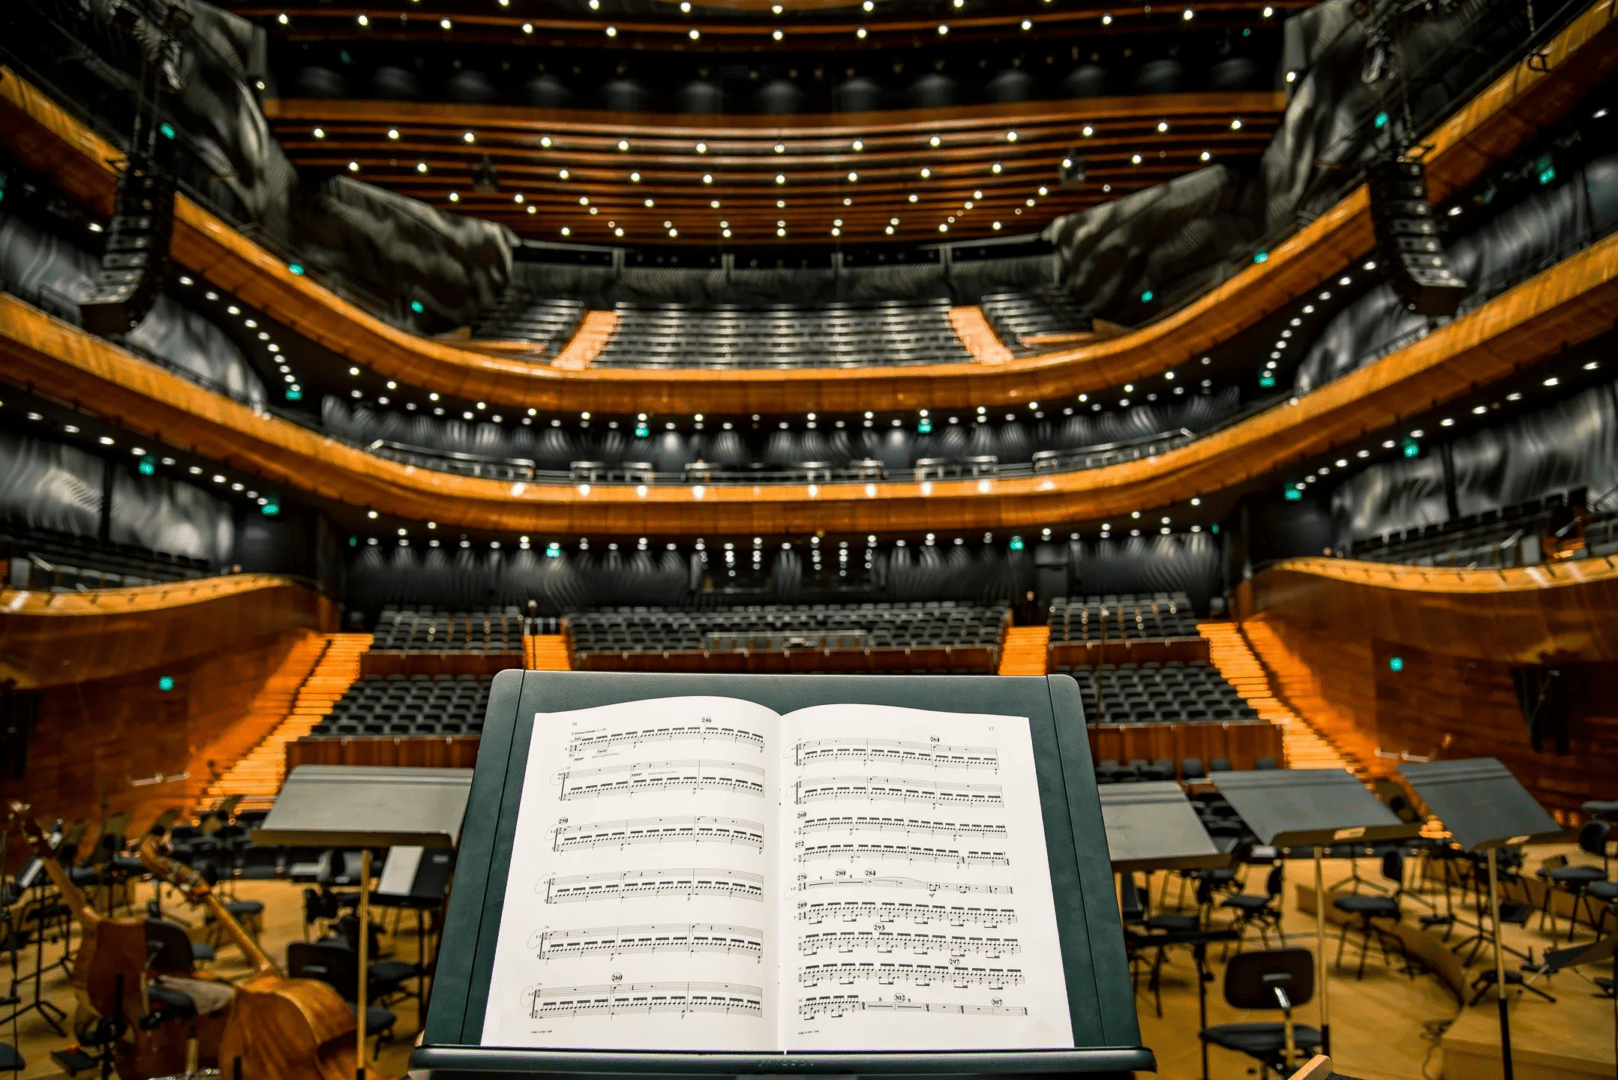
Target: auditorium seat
{"x": 783, "y": 336}
{"x": 408, "y": 705}
{"x": 1511, "y": 536}
{"x": 1115, "y": 618}
{"x": 427, "y": 629}
{"x": 1017, "y": 316}
{"x": 522, "y": 316}
{"x": 1154, "y": 693}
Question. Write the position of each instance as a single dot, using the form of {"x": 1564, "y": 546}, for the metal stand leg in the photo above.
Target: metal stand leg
{"x": 1320, "y": 955}
{"x": 1499, "y": 967}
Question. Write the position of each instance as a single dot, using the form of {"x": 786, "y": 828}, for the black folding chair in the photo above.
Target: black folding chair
{"x": 1273, "y": 979}
{"x": 1260, "y": 912}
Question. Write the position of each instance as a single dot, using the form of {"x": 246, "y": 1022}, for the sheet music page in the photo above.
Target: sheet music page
{"x": 641, "y": 901}
{"x": 918, "y": 912}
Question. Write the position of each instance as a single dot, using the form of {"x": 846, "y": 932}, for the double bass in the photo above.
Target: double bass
{"x": 279, "y": 1028}
{"x": 110, "y": 980}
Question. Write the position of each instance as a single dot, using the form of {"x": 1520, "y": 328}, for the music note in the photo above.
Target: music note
{"x": 660, "y": 830}
{"x": 874, "y": 881}
{"x": 633, "y": 883}
{"x": 874, "y": 823}
{"x": 606, "y": 740}
{"x": 936, "y": 755}
{"x": 920, "y": 974}
{"x": 908, "y": 852}
{"x": 902, "y": 941}
{"x": 896, "y": 788}
{"x": 842, "y": 1004}
{"x": 822, "y": 911}
{"x": 649, "y": 938}
{"x": 657, "y": 997}
{"x": 690, "y": 775}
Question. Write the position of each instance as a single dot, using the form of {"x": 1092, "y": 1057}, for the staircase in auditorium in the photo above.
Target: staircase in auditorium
{"x": 587, "y": 341}
{"x": 1024, "y": 650}
{"x": 545, "y": 652}
{"x": 1296, "y": 683}
{"x": 261, "y": 770}
{"x": 1305, "y": 749}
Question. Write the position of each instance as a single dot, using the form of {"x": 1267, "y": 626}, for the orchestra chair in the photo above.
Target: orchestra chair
{"x": 1262, "y": 913}
{"x": 1271, "y": 979}
{"x": 1366, "y": 908}
{"x": 1512, "y": 912}
{"x": 384, "y": 979}
{"x": 332, "y": 962}
{"x": 1575, "y": 879}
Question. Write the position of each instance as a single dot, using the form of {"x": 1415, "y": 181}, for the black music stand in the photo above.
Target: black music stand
{"x": 367, "y": 806}
{"x": 1152, "y": 826}
{"x": 1311, "y": 808}
{"x": 1484, "y": 808}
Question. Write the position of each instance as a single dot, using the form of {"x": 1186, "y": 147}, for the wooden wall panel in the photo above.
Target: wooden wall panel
{"x": 1457, "y": 635}
{"x": 1509, "y": 111}
{"x": 437, "y": 663}
{"x": 96, "y": 740}
{"x": 50, "y": 639}
{"x": 433, "y": 752}
{"x": 1242, "y": 742}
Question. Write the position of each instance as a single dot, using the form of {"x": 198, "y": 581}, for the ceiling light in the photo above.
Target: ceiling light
{"x": 858, "y": 145}
{"x": 702, "y": 148}
{"x": 1027, "y": 24}
{"x": 1552, "y": 381}
{"x": 934, "y": 141}
{"x": 1088, "y": 131}
{"x": 926, "y": 172}
{"x": 649, "y": 204}
{"x": 695, "y": 33}
{"x": 612, "y": 31}
{"x": 1206, "y": 156}
{"x": 714, "y": 205}
{"x": 562, "y": 174}
{"x": 913, "y": 197}
{"x": 860, "y": 33}
{"x": 468, "y": 137}
{"x": 623, "y": 144}
{"x": 777, "y": 35}
{"x": 1106, "y": 20}
{"x": 363, "y": 21}
{"x": 943, "y": 28}
{"x": 444, "y": 23}
{"x": 454, "y": 196}
{"x": 1011, "y": 136}
{"x": 1162, "y": 125}
{"x": 393, "y": 133}
{"x": 853, "y": 176}
{"x": 1236, "y": 125}
{"x": 634, "y": 178}
{"x": 566, "y": 231}
{"x": 780, "y": 178}
{"x": 780, "y": 148}
{"x": 528, "y": 28}
{"x": 421, "y": 166}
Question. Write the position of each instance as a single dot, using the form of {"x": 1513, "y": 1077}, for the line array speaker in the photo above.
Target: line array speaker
{"x": 1407, "y": 241}
{"x": 137, "y": 254}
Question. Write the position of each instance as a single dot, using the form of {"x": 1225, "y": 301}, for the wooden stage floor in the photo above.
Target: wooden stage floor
{"x": 1386, "y": 1027}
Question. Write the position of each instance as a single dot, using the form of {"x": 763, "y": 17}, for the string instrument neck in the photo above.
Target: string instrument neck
{"x": 198, "y": 891}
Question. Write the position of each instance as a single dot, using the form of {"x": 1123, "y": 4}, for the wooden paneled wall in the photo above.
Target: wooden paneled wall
{"x": 1242, "y": 742}
{"x": 1456, "y": 636}
{"x": 437, "y": 752}
{"x": 98, "y": 744}
{"x": 438, "y": 663}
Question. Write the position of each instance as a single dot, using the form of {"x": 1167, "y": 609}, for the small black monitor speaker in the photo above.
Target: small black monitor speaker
{"x": 136, "y": 258}
{"x": 1407, "y": 242}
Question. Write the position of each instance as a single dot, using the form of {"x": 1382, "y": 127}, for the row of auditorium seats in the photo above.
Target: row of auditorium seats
{"x": 1115, "y": 618}
{"x": 784, "y": 627}
{"x": 1138, "y": 771}
{"x": 783, "y": 336}
{"x": 433, "y": 630}
{"x": 1154, "y": 693}
{"x": 522, "y": 316}
{"x": 60, "y": 562}
{"x": 409, "y": 705}
{"x": 1018, "y": 316}
{"x": 1512, "y": 536}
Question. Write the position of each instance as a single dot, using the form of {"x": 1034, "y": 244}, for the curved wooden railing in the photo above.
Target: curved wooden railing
{"x": 50, "y": 639}
{"x": 1571, "y": 302}
{"x": 1500, "y": 119}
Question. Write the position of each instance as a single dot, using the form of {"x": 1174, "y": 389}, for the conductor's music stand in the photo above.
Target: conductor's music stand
{"x": 1152, "y": 826}
{"x": 1484, "y": 808}
{"x": 1311, "y": 808}
{"x": 367, "y": 807}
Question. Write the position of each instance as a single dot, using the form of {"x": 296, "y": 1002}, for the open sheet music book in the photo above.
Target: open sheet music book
{"x": 700, "y": 873}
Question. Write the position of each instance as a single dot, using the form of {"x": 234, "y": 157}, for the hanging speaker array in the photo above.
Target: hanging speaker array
{"x": 136, "y": 258}
{"x": 1407, "y": 242}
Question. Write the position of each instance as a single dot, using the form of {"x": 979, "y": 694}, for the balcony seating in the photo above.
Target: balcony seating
{"x": 522, "y": 316}
{"x": 434, "y": 630}
{"x": 937, "y": 637}
{"x": 413, "y": 705}
{"x": 62, "y": 562}
{"x": 1153, "y": 693}
{"x": 783, "y": 336}
{"x": 1511, "y": 536}
{"x": 1124, "y": 628}
{"x": 1019, "y": 316}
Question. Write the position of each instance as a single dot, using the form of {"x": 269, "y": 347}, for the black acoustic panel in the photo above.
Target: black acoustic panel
{"x": 1309, "y": 807}
{"x": 1481, "y": 803}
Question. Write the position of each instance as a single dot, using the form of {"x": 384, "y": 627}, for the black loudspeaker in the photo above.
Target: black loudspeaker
{"x": 137, "y": 254}
{"x": 1407, "y": 243}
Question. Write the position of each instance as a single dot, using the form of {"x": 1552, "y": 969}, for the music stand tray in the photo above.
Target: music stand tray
{"x": 1106, "y": 1033}
{"x": 1152, "y": 826}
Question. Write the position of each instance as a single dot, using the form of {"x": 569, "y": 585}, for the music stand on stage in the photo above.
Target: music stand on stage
{"x": 1484, "y": 808}
{"x": 365, "y": 807}
{"x": 1152, "y": 826}
{"x": 1311, "y": 808}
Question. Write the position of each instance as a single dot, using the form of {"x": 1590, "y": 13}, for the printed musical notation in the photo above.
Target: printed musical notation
{"x": 908, "y": 852}
{"x": 823, "y": 911}
{"x": 919, "y": 974}
{"x": 634, "y": 883}
{"x": 873, "y": 823}
{"x": 608, "y": 740}
{"x": 936, "y": 755}
{"x": 650, "y": 776}
{"x": 660, "y": 830}
{"x": 873, "y": 881}
{"x": 896, "y": 788}
{"x": 842, "y": 1005}
{"x": 650, "y": 938}
{"x": 902, "y": 941}
{"x": 656, "y": 997}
